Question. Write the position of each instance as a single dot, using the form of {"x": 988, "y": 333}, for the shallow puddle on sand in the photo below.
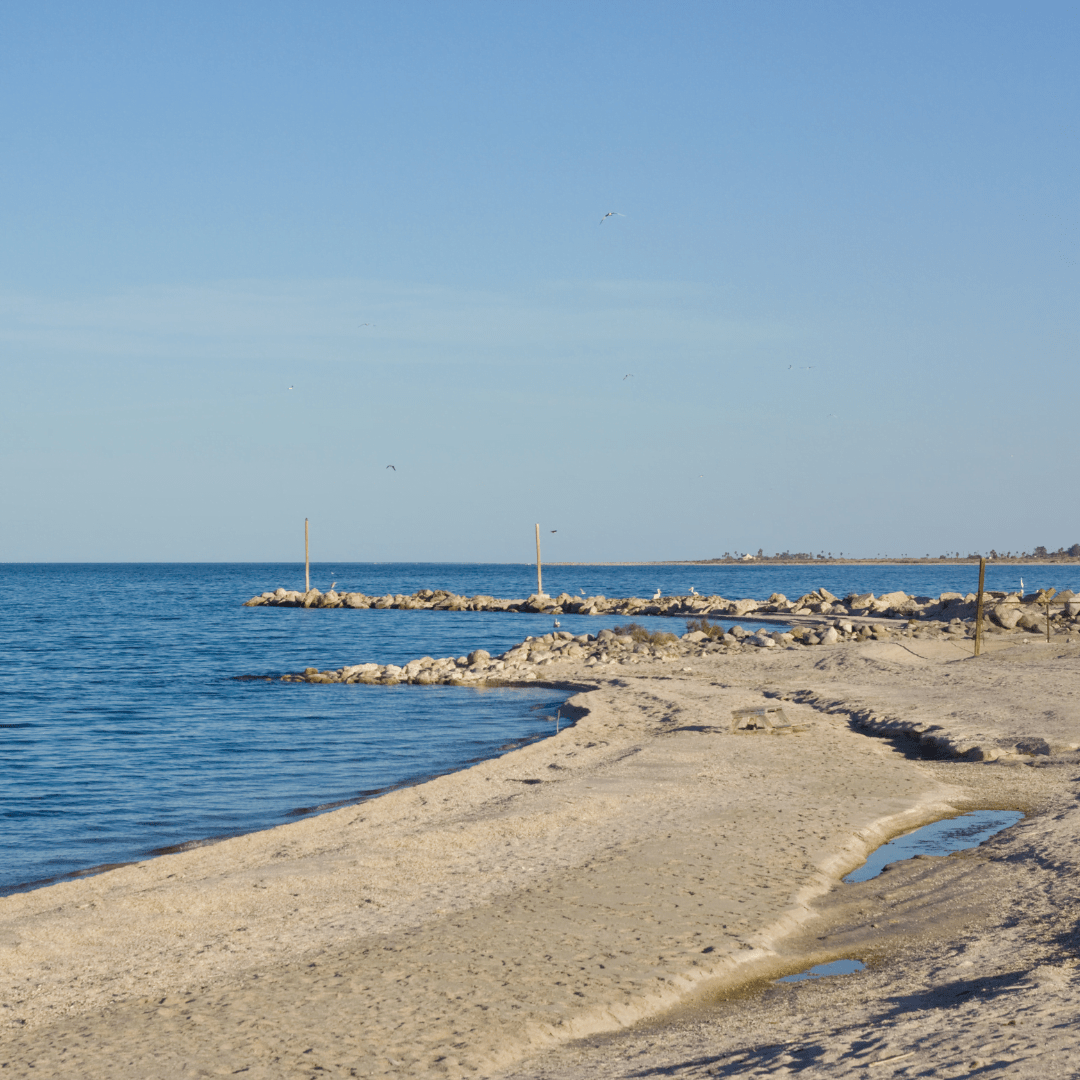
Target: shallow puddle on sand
{"x": 938, "y": 838}
{"x": 823, "y": 971}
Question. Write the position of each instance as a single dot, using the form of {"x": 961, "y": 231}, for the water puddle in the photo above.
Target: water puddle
{"x": 823, "y": 971}
{"x": 939, "y": 838}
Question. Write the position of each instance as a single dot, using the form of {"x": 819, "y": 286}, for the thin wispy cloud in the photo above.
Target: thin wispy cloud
{"x": 260, "y": 320}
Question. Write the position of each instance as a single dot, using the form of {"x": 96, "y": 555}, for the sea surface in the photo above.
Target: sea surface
{"x": 124, "y": 732}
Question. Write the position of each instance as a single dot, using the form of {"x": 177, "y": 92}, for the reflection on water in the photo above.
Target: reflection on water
{"x": 837, "y": 967}
{"x": 938, "y": 838}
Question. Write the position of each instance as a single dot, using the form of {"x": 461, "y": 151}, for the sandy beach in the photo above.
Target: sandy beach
{"x": 615, "y": 900}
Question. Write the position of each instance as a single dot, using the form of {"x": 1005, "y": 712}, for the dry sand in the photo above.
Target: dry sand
{"x": 646, "y": 873}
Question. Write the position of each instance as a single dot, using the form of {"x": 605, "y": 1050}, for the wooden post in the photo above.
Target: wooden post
{"x": 307, "y": 560}
{"x": 1047, "y": 622}
{"x": 539, "y": 578}
{"x": 979, "y": 606}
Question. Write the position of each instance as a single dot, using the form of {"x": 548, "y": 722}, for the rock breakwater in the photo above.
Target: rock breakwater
{"x": 1005, "y": 610}
{"x": 565, "y": 657}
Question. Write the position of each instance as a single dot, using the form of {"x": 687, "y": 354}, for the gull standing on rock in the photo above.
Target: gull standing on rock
{"x": 656, "y": 595}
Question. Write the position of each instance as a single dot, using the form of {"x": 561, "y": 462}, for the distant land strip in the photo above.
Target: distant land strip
{"x": 818, "y": 560}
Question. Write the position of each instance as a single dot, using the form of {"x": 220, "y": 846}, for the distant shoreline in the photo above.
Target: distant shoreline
{"x": 1064, "y": 560}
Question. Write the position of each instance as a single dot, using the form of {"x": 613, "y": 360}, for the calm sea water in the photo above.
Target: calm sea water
{"x": 123, "y": 731}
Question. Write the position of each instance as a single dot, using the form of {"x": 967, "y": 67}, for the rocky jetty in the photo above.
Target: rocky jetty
{"x": 1007, "y": 610}
{"x": 563, "y": 657}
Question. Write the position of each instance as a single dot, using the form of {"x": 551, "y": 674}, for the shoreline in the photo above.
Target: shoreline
{"x": 589, "y": 844}
{"x": 768, "y": 560}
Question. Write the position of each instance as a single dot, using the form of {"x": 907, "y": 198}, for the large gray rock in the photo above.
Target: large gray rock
{"x": 479, "y": 656}
{"x": 893, "y": 599}
{"x": 1006, "y": 616}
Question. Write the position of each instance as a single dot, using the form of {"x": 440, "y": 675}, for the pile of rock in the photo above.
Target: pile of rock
{"x": 562, "y": 656}
{"x": 819, "y": 602}
{"x": 1007, "y": 611}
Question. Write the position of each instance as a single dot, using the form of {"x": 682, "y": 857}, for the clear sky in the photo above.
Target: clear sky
{"x": 254, "y": 253}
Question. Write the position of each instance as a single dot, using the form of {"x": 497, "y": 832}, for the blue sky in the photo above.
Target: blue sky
{"x": 844, "y": 284}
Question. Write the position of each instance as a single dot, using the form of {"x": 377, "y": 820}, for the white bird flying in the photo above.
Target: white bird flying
{"x": 611, "y": 213}
{"x": 391, "y": 467}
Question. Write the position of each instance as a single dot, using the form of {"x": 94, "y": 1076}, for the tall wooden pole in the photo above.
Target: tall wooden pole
{"x": 979, "y": 606}
{"x": 539, "y": 578}
{"x": 307, "y": 560}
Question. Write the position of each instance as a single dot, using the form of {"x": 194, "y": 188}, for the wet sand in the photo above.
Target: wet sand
{"x": 646, "y": 860}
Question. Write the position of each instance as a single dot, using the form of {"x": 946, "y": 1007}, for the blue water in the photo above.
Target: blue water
{"x": 731, "y": 581}
{"x": 938, "y": 838}
{"x": 823, "y": 971}
{"x": 123, "y": 731}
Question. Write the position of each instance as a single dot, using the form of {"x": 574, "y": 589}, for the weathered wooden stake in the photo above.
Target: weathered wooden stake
{"x": 979, "y": 606}
{"x": 539, "y": 579}
{"x": 307, "y": 560}
{"x": 1047, "y": 622}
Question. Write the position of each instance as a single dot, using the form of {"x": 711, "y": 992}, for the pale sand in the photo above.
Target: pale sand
{"x": 475, "y": 923}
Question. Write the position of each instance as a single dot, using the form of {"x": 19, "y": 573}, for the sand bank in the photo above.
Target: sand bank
{"x": 645, "y": 857}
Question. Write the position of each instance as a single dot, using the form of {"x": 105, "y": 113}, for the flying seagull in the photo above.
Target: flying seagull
{"x": 554, "y": 530}
{"x": 365, "y": 324}
{"x": 625, "y": 377}
{"x": 582, "y": 591}
{"x": 392, "y": 467}
{"x": 290, "y": 387}
{"x": 611, "y": 213}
